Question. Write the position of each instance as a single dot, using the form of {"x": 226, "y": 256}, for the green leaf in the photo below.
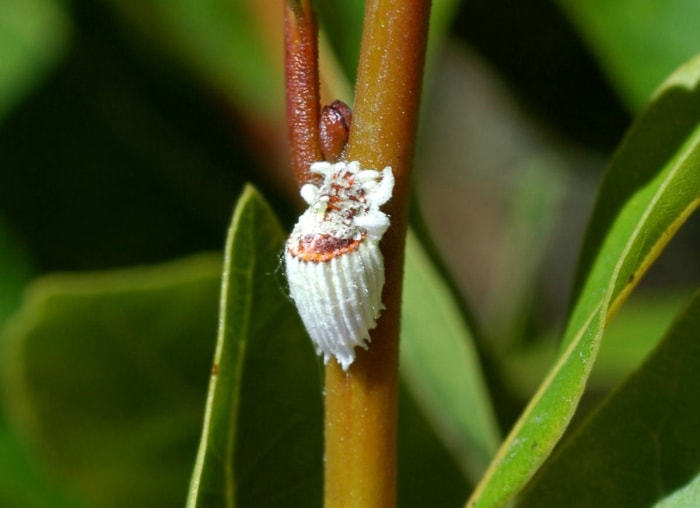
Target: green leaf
{"x": 428, "y": 475}
{"x": 22, "y": 482}
{"x": 33, "y": 36}
{"x": 637, "y": 43}
{"x": 440, "y": 365}
{"x": 685, "y": 497}
{"x": 105, "y": 378}
{"x": 262, "y": 439}
{"x": 15, "y": 272}
{"x": 652, "y": 186}
{"x": 634, "y": 332}
{"x": 643, "y": 443}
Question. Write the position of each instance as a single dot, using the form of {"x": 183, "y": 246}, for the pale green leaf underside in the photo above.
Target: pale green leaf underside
{"x": 650, "y": 189}
{"x": 685, "y": 497}
{"x": 441, "y": 367}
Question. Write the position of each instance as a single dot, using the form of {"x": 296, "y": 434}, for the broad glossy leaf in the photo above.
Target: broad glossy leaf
{"x": 650, "y": 189}
{"x": 262, "y": 439}
{"x": 33, "y": 36}
{"x": 440, "y": 365}
{"x": 643, "y": 443}
{"x": 638, "y": 43}
{"x": 105, "y": 377}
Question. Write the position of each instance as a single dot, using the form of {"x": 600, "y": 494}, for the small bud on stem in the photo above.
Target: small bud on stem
{"x": 334, "y": 130}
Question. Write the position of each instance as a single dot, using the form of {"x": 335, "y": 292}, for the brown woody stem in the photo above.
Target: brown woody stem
{"x": 302, "y": 86}
{"x": 361, "y": 406}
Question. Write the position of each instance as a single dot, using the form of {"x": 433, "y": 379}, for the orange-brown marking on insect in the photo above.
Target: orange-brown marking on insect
{"x": 322, "y": 248}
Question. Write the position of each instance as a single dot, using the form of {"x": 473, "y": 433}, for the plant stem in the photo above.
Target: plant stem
{"x": 302, "y": 86}
{"x": 361, "y": 406}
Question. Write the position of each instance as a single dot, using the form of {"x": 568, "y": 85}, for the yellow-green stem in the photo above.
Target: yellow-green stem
{"x": 361, "y": 406}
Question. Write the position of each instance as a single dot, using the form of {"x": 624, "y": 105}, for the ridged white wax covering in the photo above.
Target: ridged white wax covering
{"x": 339, "y": 300}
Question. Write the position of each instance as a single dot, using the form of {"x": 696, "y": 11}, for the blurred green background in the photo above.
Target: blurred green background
{"x": 129, "y": 127}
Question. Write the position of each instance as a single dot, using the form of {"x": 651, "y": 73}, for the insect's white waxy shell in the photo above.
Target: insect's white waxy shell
{"x": 334, "y": 266}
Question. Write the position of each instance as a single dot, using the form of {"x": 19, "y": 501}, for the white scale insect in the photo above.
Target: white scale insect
{"x": 334, "y": 266}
